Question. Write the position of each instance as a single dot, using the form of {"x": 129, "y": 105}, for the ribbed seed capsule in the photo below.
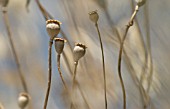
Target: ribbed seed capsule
{"x": 93, "y": 15}
{"x": 4, "y": 3}
{"x": 140, "y": 2}
{"x": 59, "y": 45}
{"x": 79, "y": 51}
{"x": 53, "y": 27}
{"x": 23, "y": 100}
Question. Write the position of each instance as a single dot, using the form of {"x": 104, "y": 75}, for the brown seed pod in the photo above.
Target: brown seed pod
{"x": 53, "y": 27}
{"x": 93, "y": 15}
{"x": 59, "y": 45}
{"x": 79, "y": 51}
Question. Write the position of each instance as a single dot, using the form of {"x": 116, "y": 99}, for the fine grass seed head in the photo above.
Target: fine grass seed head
{"x": 23, "y": 100}
{"x": 93, "y": 15}
{"x": 59, "y": 45}
{"x": 79, "y": 51}
{"x": 4, "y": 3}
{"x": 140, "y": 2}
{"x": 53, "y": 28}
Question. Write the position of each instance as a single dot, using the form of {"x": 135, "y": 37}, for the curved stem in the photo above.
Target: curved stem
{"x": 73, "y": 82}
{"x": 49, "y": 73}
{"x": 120, "y": 55}
{"x": 150, "y": 78}
{"x": 103, "y": 62}
{"x": 59, "y": 70}
{"x": 5, "y": 16}
{"x": 74, "y": 75}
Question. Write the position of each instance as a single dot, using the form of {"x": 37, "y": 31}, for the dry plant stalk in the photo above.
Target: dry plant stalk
{"x": 59, "y": 46}
{"x": 7, "y": 24}
{"x": 94, "y": 17}
{"x": 50, "y": 73}
{"x": 47, "y": 16}
{"x": 103, "y": 62}
{"x": 53, "y": 29}
{"x": 120, "y": 54}
{"x": 78, "y": 52}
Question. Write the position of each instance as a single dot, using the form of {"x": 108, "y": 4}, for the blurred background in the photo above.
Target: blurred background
{"x": 145, "y": 64}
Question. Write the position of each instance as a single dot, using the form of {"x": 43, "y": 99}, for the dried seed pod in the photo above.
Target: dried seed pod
{"x": 93, "y": 15}
{"x": 59, "y": 45}
{"x": 53, "y": 28}
{"x": 23, "y": 100}
{"x": 140, "y": 2}
{"x": 4, "y": 3}
{"x": 79, "y": 51}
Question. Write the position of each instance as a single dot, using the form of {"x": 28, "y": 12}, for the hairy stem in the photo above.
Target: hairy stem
{"x": 49, "y": 73}
{"x": 59, "y": 70}
{"x": 103, "y": 62}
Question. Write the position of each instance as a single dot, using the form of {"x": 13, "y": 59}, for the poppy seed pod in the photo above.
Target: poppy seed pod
{"x": 53, "y": 28}
{"x": 59, "y": 45}
{"x": 79, "y": 51}
{"x": 4, "y": 3}
{"x": 23, "y": 100}
{"x": 140, "y": 2}
{"x": 94, "y": 16}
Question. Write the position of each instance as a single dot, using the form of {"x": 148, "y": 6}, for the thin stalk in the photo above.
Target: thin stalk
{"x": 149, "y": 46}
{"x": 43, "y": 11}
{"x": 49, "y": 73}
{"x": 103, "y": 62}
{"x": 59, "y": 70}
{"x": 7, "y": 24}
{"x": 144, "y": 95}
{"x": 78, "y": 85}
{"x": 74, "y": 75}
{"x": 120, "y": 55}
{"x": 47, "y": 16}
{"x": 74, "y": 81}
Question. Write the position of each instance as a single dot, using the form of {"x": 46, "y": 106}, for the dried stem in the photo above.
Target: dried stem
{"x": 73, "y": 82}
{"x": 74, "y": 75}
{"x": 78, "y": 85}
{"x": 103, "y": 62}
{"x": 59, "y": 70}
{"x": 43, "y": 11}
{"x": 149, "y": 46}
{"x": 120, "y": 55}
{"x": 5, "y": 16}
{"x": 49, "y": 73}
{"x": 46, "y": 17}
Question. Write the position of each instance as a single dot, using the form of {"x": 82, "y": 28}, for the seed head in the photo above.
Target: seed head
{"x": 53, "y": 28}
{"x": 59, "y": 45}
{"x": 4, "y": 3}
{"x": 79, "y": 51}
{"x": 140, "y": 2}
{"x": 93, "y": 15}
{"x": 23, "y": 100}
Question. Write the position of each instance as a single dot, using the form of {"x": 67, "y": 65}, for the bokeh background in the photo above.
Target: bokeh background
{"x": 149, "y": 33}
